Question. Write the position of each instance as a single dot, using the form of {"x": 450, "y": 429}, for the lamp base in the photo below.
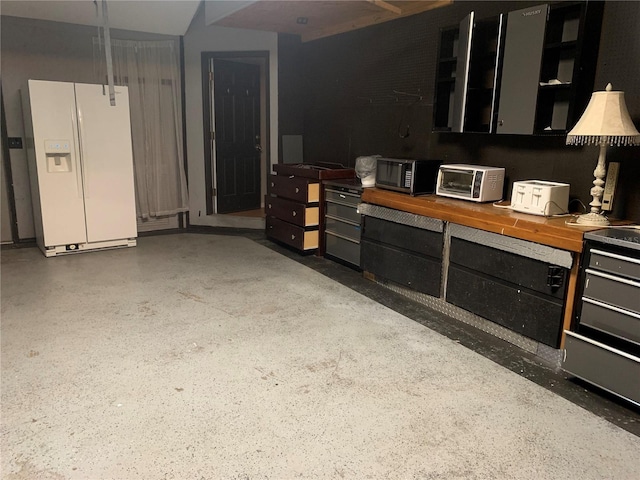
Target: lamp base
{"x": 593, "y": 220}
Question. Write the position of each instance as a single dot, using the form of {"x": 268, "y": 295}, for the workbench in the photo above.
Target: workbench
{"x": 498, "y": 269}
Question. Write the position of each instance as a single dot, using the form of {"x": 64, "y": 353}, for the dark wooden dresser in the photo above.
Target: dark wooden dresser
{"x": 294, "y": 204}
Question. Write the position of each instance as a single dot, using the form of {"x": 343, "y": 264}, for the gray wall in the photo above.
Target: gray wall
{"x": 42, "y": 50}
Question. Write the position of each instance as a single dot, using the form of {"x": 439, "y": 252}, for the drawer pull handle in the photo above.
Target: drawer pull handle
{"x": 293, "y": 237}
{"x": 297, "y": 190}
{"x": 342, "y": 196}
{"x": 293, "y": 213}
{"x": 273, "y": 184}
{"x": 269, "y": 206}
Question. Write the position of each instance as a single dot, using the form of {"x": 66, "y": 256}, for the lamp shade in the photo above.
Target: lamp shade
{"x": 606, "y": 120}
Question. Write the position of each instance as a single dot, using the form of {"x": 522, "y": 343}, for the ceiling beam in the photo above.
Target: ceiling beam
{"x": 364, "y": 21}
{"x": 386, "y": 6}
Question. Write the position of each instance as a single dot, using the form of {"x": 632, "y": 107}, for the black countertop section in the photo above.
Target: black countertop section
{"x": 354, "y": 184}
{"x": 626, "y": 237}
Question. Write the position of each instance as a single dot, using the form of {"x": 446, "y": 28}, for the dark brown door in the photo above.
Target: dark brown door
{"x": 237, "y": 135}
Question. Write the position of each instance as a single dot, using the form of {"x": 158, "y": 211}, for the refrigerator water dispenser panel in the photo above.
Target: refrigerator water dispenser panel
{"x": 58, "y": 154}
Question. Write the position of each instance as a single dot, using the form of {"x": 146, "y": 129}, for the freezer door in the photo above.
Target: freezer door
{"x": 107, "y": 160}
{"x": 54, "y": 164}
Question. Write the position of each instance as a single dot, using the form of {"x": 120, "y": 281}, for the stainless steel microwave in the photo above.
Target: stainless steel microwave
{"x": 470, "y": 182}
{"x": 409, "y": 176}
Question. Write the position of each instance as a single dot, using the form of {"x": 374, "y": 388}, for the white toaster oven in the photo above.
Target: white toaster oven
{"x": 476, "y": 183}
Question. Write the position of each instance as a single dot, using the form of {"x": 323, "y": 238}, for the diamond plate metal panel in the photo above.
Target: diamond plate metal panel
{"x": 549, "y": 355}
{"x": 403, "y": 218}
{"x": 524, "y": 248}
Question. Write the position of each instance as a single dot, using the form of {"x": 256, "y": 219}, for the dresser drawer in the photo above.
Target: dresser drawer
{"x": 345, "y": 198}
{"x": 613, "y": 290}
{"x": 292, "y": 235}
{"x": 293, "y": 212}
{"x": 609, "y": 319}
{"x": 611, "y": 369}
{"x": 337, "y": 210}
{"x": 613, "y": 263}
{"x": 342, "y": 248}
{"x": 341, "y": 228}
{"x": 300, "y": 189}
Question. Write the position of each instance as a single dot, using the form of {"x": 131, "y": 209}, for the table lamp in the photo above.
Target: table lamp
{"x": 605, "y": 121}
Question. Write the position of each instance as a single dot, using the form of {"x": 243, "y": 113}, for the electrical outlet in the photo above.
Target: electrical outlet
{"x": 15, "y": 142}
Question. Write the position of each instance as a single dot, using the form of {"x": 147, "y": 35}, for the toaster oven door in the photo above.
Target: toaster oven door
{"x": 459, "y": 182}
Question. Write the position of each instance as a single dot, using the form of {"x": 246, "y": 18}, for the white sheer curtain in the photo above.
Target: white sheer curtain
{"x": 150, "y": 69}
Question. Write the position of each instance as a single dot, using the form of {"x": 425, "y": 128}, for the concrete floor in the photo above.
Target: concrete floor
{"x": 207, "y": 356}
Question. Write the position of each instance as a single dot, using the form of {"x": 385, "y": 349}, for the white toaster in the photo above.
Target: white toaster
{"x": 540, "y": 197}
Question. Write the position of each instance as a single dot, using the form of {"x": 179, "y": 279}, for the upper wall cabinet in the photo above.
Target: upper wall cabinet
{"x": 529, "y": 73}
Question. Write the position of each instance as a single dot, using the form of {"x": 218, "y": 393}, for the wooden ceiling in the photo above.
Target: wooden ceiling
{"x": 323, "y": 18}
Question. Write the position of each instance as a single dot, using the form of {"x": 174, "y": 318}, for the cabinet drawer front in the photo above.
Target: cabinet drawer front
{"x": 537, "y": 317}
{"x": 341, "y": 197}
{"x": 512, "y": 268}
{"x": 414, "y": 239}
{"x": 612, "y": 290}
{"x": 342, "y": 248}
{"x": 292, "y": 235}
{"x": 615, "y": 321}
{"x": 343, "y": 229}
{"x": 342, "y": 211}
{"x": 614, "y": 263}
{"x": 419, "y": 273}
{"x": 292, "y": 212}
{"x": 603, "y": 366}
{"x": 294, "y": 188}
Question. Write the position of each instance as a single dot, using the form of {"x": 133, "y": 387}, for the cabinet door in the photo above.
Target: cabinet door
{"x": 524, "y": 43}
{"x": 417, "y": 272}
{"x": 462, "y": 72}
{"x": 479, "y": 63}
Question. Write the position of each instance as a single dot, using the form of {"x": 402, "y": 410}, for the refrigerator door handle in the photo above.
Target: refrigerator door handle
{"x": 76, "y": 152}
{"x": 82, "y": 155}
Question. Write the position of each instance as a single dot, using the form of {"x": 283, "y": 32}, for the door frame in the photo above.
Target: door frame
{"x": 208, "y": 115}
{"x": 7, "y": 173}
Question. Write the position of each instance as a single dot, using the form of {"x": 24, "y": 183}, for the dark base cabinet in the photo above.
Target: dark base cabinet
{"x": 342, "y": 221}
{"x": 519, "y": 293}
{"x": 408, "y": 256}
{"x": 604, "y": 346}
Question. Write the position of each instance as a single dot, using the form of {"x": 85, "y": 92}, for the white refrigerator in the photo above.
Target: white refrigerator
{"x": 80, "y": 166}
